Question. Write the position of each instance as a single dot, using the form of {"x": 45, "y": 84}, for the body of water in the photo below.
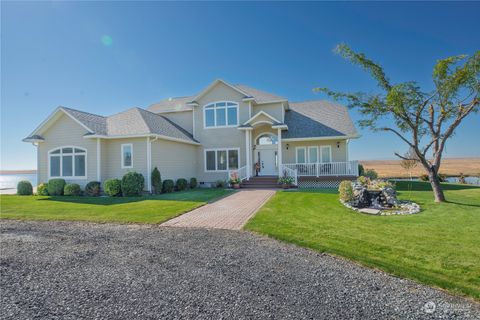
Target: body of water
{"x": 468, "y": 180}
{"x": 9, "y": 181}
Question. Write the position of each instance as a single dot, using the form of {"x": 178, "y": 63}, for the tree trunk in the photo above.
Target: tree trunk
{"x": 437, "y": 190}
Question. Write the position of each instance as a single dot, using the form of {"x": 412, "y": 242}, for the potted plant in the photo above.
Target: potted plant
{"x": 235, "y": 180}
{"x": 285, "y": 181}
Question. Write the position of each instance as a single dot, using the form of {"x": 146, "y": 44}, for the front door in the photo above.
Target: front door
{"x": 268, "y": 161}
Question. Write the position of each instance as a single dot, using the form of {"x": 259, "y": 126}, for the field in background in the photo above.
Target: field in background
{"x": 450, "y": 167}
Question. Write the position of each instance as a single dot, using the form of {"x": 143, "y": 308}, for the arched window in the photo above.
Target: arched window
{"x": 68, "y": 162}
{"x": 267, "y": 139}
{"x": 220, "y": 114}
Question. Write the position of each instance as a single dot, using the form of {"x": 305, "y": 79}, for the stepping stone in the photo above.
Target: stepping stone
{"x": 369, "y": 211}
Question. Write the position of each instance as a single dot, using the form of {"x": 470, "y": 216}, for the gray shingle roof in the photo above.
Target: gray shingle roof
{"x": 180, "y": 103}
{"x": 317, "y": 119}
{"x": 172, "y": 105}
{"x": 135, "y": 121}
{"x": 259, "y": 95}
{"x": 94, "y": 122}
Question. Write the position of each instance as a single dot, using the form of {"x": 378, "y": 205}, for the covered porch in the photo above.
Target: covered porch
{"x": 269, "y": 155}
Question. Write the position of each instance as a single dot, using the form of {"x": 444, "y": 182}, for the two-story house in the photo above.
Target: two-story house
{"x": 223, "y": 128}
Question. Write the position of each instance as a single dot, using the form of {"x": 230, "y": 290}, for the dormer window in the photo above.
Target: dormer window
{"x": 220, "y": 114}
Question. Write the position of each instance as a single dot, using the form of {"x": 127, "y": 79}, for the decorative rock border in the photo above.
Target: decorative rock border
{"x": 403, "y": 208}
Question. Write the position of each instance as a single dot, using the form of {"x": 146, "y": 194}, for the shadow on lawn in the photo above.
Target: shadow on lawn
{"x": 106, "y": 201}
{"x": 425, "y": 186}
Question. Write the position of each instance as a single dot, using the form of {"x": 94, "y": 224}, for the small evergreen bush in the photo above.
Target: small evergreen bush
{"x": 371, "y": 174}
{"x": 72, "y": 189}
{"x": 361, "y": 170}
{"x": 42, "y": 189}
{"x": 132, "y": 184}
{"x": 24, "y": 188}
{"x": 193, "y": 183}
{"x": 168, "y": 186}
{"x": 113, "y": 187}
{"x": 55, "y": 187}
{"x": 220, "y": 184}
{"x": 156, "y": 181}
{"x": 345, "y": 190}
{"x": 92, "y": 189}
{"x": 182, "y": 184}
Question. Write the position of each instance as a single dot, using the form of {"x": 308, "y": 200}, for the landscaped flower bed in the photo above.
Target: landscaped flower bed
{"x": 377, "y": 197}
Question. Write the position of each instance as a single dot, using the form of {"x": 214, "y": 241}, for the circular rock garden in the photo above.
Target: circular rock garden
{"x": 376, "y": 197}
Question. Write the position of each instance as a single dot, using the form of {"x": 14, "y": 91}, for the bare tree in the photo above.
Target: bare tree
{"x": 422, "y": 120}
{"x": 409, "y": 162}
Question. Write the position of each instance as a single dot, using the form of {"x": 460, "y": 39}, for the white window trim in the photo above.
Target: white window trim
{"x": 308, "y": 154}
{"x": 121, "y": 155}
{"x": 215, "y": 114}
{"x": 304, "y": 152}
{"x": 73, "y": 154}
{"x": 219, "y": 149}
{"x": 321, "y": 153}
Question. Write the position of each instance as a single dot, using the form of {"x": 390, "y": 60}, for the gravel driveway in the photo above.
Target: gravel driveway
{"x": 76, "y": 270}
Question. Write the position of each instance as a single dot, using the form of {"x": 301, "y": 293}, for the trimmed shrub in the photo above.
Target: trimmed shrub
{"x": 55, "y": 187}
{"x": 424, "y": 177}
{"x": 181, "y": 184}
{"x": 345, "y": 190}
{"x": 113, "y": 187}
{"x": 156, "y": 181}
{"x": 220, "y": 184}
{"x": 132, "y": 184}
{"x": 364, "y": 181}
{"x": 42, "y": 189}
{"x": 24, "y": 188}
{"x": 193, "y": 183}
{"x": 371, "y": 173}
{"x": 168, "y": 186}
{"x": 92, "y": 189}
{"x": 71, "y": 189}
{"x": 361, "y": 170}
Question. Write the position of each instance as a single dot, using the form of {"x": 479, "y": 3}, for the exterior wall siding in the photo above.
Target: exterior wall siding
{"x": 273, "y": 109}
{"x": 219, "y": 137}
{"x": 67, "y": 132}
{"x": 174, "y": 160}
{"x": 113, "y": 158}
{"x": 184, "y": 119}
{"x": 338, "y": 154}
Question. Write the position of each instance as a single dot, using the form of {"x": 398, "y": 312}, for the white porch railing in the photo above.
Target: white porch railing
{"x": 321, "y": 169}
{"x": 289, "y": 172}
{"x": 241, "y": 172}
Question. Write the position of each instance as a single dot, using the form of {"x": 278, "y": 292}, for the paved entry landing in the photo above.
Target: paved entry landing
{"x": 231, "y": 212}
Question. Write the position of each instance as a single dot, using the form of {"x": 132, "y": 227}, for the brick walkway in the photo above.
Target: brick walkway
{"x": 231, "y": 212}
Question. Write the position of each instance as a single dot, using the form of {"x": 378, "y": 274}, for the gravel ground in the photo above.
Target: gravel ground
{"x": 84, "y": 271}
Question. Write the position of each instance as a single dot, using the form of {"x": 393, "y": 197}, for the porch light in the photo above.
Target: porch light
{"x": 338, "y": 144}
{"x": 287, "y": 146}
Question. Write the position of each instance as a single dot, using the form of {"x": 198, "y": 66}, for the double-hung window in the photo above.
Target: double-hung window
{"x": 221, "y": 159}
{"x": 68, "y": 162}
{"x": 220, "y": 114}
{"x": 301, "y": 155}
{"x": 127, "y": 155}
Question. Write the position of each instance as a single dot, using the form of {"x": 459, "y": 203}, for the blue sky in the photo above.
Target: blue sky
{"x": 104, "y": 57}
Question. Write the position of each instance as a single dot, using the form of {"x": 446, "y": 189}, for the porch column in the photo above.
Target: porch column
{"x": 279, "y": 153}
{"x": 149, "y": 165}
{"x": 247, "y": 153}
{"x": 99, "y": 160}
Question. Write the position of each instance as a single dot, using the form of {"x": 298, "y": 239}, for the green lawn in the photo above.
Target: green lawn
{"x": 440, "y": 246}
{"x": 147, "y": 209}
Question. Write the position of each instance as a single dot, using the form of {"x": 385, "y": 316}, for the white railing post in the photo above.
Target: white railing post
{"x": 317, "y": 169}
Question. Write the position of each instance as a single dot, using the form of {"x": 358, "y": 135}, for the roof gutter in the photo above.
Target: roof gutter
{"x": 157, "y": 136}
{"x": 323, "y": 138}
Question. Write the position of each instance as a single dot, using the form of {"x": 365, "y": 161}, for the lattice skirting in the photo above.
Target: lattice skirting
{"x": 312, "y": 183}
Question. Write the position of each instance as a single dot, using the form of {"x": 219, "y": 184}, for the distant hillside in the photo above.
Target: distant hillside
{"x": 450, "y": 167}
{"x": 17, "y": 171}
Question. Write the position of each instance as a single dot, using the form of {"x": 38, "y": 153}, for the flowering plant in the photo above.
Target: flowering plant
{"x": 234, "y": 179}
